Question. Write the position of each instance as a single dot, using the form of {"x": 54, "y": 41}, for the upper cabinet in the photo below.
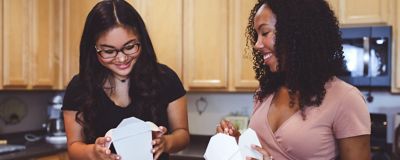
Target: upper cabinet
{"x": 164, "y": 23}
{"x": 206, "y": 44}
{"x": 214, "y": 46}
{"x": 30, "y": 44}
{"x": 351, "y": 12}
{"x": 74, "y": 16}
{"x": 396, "y": 52}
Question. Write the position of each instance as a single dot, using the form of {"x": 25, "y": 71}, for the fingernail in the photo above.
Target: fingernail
{"x": 153, "y": 150}
{"x": 117, "y": 157}
{"x": 108, "y": 138}
{"x": 153, "y": 142}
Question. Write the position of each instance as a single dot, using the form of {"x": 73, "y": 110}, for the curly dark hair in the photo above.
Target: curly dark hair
{"x": 144, "y": 77}
{"x": 308, "y": 47}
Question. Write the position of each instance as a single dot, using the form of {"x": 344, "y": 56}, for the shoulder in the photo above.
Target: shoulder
{"x": 167, "y": 74}
{"x": 165, "y": 70}
{"x": 75, "y": 83}
{"x": 73, "y": 93}
{"x": 338, "y": 88}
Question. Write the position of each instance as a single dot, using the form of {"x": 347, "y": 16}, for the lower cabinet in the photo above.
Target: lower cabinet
{"x": 59, "y": 156}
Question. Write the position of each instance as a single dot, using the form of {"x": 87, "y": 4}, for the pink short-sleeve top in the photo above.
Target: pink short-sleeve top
{"x": 343, "y": 113}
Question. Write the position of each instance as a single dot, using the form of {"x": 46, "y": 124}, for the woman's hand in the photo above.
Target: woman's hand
{"x": 101, "y": 151}
{"x": 227, "y": 127}
{"x": 264, "y": 152}
{"x": 159, "y": 143}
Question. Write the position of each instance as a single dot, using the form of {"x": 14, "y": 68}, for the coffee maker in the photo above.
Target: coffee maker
{"x": 55, "y": 121}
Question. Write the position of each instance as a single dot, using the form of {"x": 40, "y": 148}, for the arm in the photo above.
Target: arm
{"x": 357, "y": 147}
{"x": 77, "y": 149}
{"x": 179, "y": 137}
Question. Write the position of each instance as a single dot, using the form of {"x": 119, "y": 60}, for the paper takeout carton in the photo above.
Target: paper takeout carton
{"x": 224, "y": 147}
{"x": 132, "y": 139}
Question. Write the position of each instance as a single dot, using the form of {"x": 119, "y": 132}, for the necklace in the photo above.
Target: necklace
{"x": 122, "y": 80}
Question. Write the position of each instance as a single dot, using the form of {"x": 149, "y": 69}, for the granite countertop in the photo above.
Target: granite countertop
{"x": 39, "y": 148}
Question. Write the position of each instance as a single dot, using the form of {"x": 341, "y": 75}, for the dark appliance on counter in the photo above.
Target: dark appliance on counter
{"x": 396, "y": 142}
{"x": 379, "y": 150}
{"x": 367, "y": 52}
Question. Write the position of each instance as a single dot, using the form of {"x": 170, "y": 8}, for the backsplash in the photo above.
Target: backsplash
{"x": 203, "y": 118}
{"x": 34, "y": 103}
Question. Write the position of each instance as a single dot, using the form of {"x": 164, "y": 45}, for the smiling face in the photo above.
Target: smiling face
{"x": 118, "y": 38}
{"x": 264, "y": 24}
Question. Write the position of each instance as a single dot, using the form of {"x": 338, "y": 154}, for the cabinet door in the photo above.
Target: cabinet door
{"x": 396, "y": 54}
{"x": 205, "y": 43}
{"x": 45, "y": 44}
{"x": 59, "y": 156}
{"x": 1, "y": 44}
{"x": 363, "y": 11}
{"x": 242, "y": 75}
{"x": 163, "y": 20}
{"x": 30, "y": 44}
{"x": 75, "y": 13}
{"x": 15, "y": 43}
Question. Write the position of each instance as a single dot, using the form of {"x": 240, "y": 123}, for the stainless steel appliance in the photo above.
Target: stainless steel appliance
{"x": 55, "y": 123}
{"x": 368, "y": 52}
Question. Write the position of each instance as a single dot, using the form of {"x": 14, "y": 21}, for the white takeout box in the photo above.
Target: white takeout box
{"x": 224, "y": 147}
{"x": 132, "y": 139}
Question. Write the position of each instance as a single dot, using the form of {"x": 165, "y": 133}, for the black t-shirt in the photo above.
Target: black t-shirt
{"x": 109, "y": 115}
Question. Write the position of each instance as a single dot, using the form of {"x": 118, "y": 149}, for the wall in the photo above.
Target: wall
{"x": 219, "y": 105}
{"x": 223, "y": 104}
{"x": 36, "y": 103}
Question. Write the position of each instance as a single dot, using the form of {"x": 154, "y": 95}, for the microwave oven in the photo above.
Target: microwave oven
{"x": 367, "y": 52}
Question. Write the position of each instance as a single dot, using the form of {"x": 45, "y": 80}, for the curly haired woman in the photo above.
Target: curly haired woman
{"x": 302, "y": 110}
{"x": 119, "y": 77}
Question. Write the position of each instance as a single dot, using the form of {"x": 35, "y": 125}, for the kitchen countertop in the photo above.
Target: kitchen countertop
{"x": 35, "y": 149}
{"x": 194, "y": 151}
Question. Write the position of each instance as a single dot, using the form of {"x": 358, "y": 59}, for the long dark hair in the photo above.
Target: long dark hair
{"x": 144, "y": 77}
{"x": 308, "y": 48}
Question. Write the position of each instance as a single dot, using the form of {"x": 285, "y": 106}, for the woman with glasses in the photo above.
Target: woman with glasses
{"x": 302, "y": 110}
{"x": 119, "y": 77}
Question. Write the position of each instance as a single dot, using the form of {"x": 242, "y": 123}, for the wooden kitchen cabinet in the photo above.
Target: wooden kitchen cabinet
{"x": 164, "y": 22}
{"x": 59, "y": 156}
{"x": 396, "y": 53}
{"x": 206, "y": 44}
{"x": 30, "y": 33}
{"x": 242, "y": 75}
{"x": 351, "y": 12}
{"x": 214, "y": 40}
{"x": 74, "y": 16}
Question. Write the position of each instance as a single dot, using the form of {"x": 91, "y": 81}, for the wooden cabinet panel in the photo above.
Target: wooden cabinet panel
{"x": 59, "y": 156}
{"x": 363, "y": 11}
{"x": 164, "y": 20}
{"x": 205, "y": 43}
{"x": 30, "y": 46}
{"x": 46, "y": 44}
{"x": 15, "y": 43}
{"x": 75, "y": 13}
{"x": 242, "y": 75}
{"x": 1, "y": 44}
{"x": 396, "y": 53}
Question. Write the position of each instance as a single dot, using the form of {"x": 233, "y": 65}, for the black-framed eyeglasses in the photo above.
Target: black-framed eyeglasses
{"x": 128, "y": 49}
